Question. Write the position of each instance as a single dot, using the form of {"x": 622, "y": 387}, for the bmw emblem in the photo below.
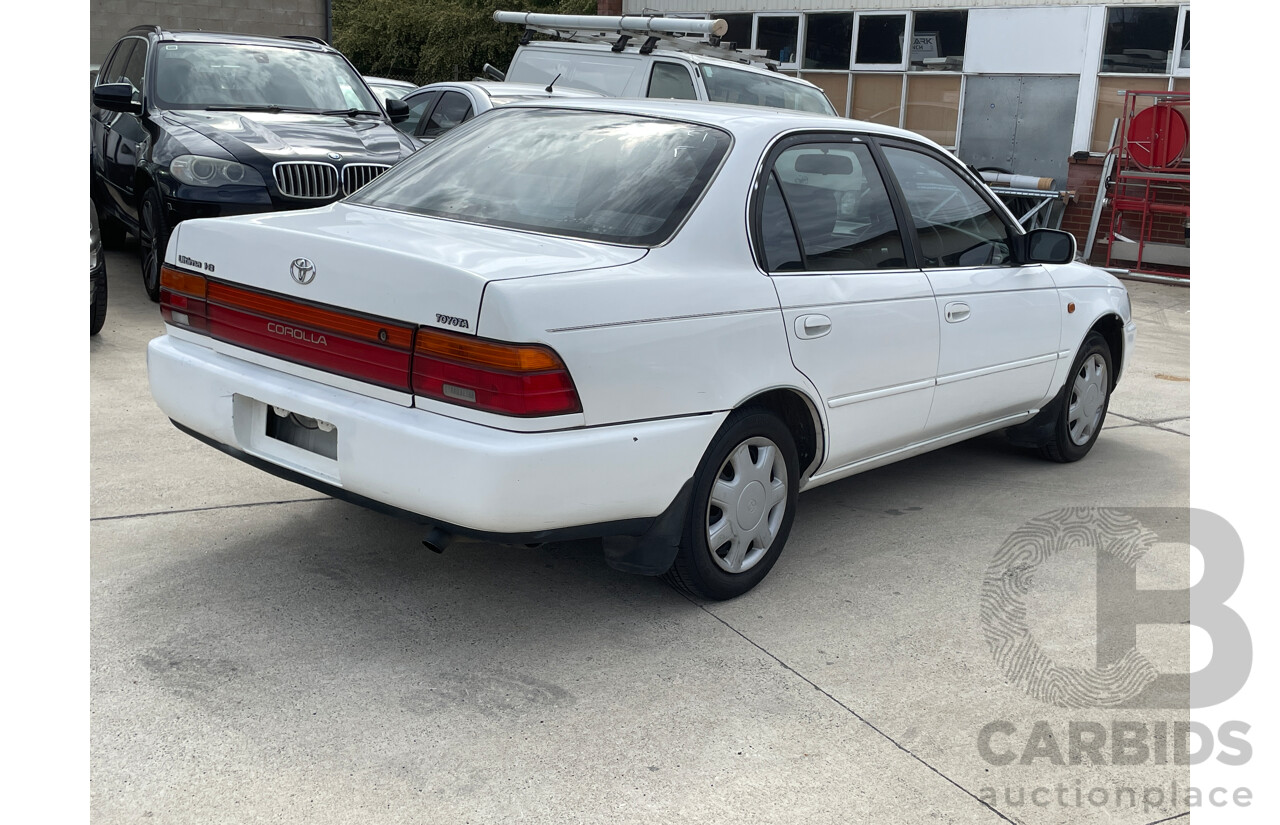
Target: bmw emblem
{"x": 335, "y": 156}
{"x": 302, "y": 271}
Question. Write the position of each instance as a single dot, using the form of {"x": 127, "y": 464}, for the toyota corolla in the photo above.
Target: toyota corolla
{"x": 654, "y": 323}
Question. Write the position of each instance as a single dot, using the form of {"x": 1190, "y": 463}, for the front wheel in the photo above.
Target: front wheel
{"x": 744, "y": 501}
{"x": 1083, "y": 403}
{"x": 152, "y": 239}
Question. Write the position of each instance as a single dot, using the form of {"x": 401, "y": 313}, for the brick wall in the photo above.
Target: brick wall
{"x": 609, "y": 7}
{"x": 109, "y": 19}
{"x": 1083, "y": 177}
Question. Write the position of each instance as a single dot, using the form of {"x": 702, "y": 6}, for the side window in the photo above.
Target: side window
{"x": 454, "y": 108}
{"x": 957, "y": 227}
{"x": 133, "y": 72}
{"x": 419, "y": 105}
{"x": 777, "y": 236}
{"x": 114, "y": 68}
{"x": 839, "y": 207}
{"x": 671, "y": 80}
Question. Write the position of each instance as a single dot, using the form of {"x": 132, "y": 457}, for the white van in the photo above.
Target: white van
{"x": 622, "y": 59}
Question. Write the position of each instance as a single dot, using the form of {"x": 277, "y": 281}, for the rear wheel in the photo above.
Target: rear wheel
{"x": 743, "y": 505}
{"x": 152, "y": 240}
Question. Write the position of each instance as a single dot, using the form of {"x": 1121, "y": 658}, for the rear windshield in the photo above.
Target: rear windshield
{"x": 725, "y": 85}
{"x": 600, "y": 176}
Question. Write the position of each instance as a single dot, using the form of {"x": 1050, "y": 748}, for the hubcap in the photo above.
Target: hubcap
{"x": 748, "y": 502}
{"x": 1088, "y": 400}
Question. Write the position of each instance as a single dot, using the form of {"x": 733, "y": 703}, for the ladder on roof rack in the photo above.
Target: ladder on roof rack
{"x": 673, "y": 32}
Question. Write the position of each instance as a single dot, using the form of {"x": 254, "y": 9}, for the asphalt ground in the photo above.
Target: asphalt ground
{"x": 260, "y": 653}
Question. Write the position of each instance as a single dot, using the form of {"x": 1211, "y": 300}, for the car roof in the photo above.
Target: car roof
{"x": 296, "y": 42}
{"x": 501, "y": 88}
{"x": 674, "y": 54}
{"x": 731, "y": 117}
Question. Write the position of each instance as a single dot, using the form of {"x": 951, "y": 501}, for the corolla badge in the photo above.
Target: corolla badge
{"x": 302, "y": 270}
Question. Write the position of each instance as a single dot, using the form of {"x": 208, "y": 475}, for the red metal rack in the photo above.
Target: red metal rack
{"x": 1151, "y": 189}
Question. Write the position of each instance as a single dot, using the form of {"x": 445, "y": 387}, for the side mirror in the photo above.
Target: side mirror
{"x": 116, "y": 97}
{"x": 1048, "y": 246}
{"x": 397, "y": 110}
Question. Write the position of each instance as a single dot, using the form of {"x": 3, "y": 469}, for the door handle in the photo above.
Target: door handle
{"x": 955, "y": 312}
{"x": 812, "y": 326}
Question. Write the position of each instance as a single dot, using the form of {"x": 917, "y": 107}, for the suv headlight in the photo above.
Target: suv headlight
{"x": 197, "y": 170}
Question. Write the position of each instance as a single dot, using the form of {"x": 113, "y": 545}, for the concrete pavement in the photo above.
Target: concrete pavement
{"x": 264, "y": 654}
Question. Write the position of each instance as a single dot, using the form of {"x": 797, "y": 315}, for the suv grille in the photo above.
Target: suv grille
{"x": 355, "y": 175}
{"x": 306, "y": 179}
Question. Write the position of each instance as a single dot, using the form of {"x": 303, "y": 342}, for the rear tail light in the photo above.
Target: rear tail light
{"x": 184, "y": 299}
{"x": 511, "y": 379}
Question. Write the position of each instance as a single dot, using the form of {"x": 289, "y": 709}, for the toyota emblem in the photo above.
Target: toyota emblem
{"x": 302, "y": 270}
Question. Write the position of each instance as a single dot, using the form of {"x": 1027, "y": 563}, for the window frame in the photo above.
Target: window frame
{"x": 797, "y": 59}
{"x": 755, "y": 203}
{"x": 1013, "y": 229}
{"x": 1184, "y": 12}
{"x": 903, "y": 64}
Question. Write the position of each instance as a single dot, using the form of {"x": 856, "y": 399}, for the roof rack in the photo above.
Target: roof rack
{"x": 672, "y": 32}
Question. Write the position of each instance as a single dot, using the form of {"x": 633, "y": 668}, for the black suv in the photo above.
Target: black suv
{"x": 197, "y": 125}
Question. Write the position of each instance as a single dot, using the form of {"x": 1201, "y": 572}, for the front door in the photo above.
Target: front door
{"x": 1000, "y": 322}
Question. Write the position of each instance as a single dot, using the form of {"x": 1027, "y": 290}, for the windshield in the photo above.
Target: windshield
{"x": 725, "y": 85}
{"x": 227, "y": 76}
{"x": 602, "y": 176}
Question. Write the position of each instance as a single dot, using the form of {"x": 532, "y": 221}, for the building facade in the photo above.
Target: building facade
{"x": 1001, "y": 82}
{"x": 109, "y": 19}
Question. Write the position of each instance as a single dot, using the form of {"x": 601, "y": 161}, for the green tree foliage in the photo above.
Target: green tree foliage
{"x": 425, "y": 41}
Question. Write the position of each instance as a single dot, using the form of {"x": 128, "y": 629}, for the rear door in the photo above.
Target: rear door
{"x": 1000, "y": 321}
{"x": 860, "y": 317}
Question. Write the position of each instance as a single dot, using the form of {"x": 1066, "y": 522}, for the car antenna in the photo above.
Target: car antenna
{"x": 552, "y": 83}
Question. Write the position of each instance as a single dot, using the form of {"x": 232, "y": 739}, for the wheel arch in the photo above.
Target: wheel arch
{"x": 1111, "y": 327}
{"x": 800, "y": 415}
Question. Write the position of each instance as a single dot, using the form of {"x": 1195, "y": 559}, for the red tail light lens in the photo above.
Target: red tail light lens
{"x": 368, "y": 349}
{"x": 183, "y": 299}
{"x": 510, "y": 379}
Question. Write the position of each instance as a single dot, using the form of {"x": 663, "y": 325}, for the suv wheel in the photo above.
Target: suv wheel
{"x": 153, "y": 238}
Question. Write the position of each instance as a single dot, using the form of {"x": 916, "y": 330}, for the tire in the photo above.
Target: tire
{"x": 750, "y": 473}
{"x": 113, "y": 233}
{"x": 1082, "y": 406}
{"x": 153, "y": 237}
{"x": 98, "y": 307}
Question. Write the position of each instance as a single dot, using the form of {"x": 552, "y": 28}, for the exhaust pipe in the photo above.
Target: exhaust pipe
{"x": 437, "y": 540}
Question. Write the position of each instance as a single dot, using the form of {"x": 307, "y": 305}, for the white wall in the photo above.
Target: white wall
{"x": 1028, "y": 41}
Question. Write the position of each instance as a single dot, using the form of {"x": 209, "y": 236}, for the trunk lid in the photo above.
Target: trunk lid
{"x": 342, "y": 288}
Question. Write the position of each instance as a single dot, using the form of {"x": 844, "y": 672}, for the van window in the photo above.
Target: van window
{"x": 726, "y": 85}
{"x": 609, "y": 75}
{"x": 672, "y": 81}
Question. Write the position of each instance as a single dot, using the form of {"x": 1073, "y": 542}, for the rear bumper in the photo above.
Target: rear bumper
{"x": 513, "y": 486}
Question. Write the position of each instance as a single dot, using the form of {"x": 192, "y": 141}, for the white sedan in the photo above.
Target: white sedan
{"x": 651, "y": 322}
